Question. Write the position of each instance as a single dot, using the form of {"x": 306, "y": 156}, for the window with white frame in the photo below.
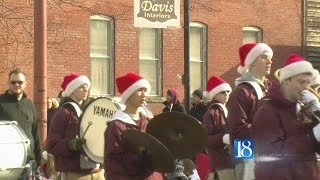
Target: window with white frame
{"x": 251, "y": 35}
{"x": 198, "y": 55}
{"x": 101, "y": 55}
{"x": 150, "y": 51}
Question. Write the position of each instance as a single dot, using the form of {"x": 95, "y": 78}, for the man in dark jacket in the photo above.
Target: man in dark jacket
{"x": 198, "y": 107}
{"x": 15, "y": 106}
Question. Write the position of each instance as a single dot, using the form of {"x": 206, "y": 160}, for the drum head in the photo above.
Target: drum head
{"x": 13, "y": 145}
{"x": 93, "y": 124}
{"x": 13, "y": 150}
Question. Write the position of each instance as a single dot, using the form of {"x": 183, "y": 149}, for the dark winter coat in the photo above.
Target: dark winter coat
{"x": 197, "y": 111}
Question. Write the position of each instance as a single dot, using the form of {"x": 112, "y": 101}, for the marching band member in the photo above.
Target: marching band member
{"x": 286, "y": 136}
{"x": 119, "y": 163}
{"x": 215, "y": 121}
{"x": 255, "y": 65}
{"x": 63, "y": 142}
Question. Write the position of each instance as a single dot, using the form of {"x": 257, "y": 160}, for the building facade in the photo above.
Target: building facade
{"x": 97, "y": 38}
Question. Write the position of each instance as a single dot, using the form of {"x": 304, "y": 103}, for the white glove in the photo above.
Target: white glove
{"x": 194, "y": 175}
{"x": 45, "y": 155}
{"x": 316, "y": 132}
{"x": 311, "y": 101}
{"x": 226, "y": 139}
{"x": 308, "y": 97}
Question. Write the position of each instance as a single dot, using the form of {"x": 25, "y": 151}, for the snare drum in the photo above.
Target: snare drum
{"x": 13, "y": 150}
{"x": 93, "y": 124}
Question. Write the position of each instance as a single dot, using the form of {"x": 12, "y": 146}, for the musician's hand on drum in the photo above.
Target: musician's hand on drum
{"x": 76, "y": 143}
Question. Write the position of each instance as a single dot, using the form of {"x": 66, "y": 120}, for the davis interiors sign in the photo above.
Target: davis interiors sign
{"x": 157, "y": 13}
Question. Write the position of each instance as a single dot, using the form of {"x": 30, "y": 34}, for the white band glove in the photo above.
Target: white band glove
{"x": 308, "y": 97}
{"x": 226, "y": 139}
{"x": 45, "y": 155}
{"x": 311, "y": 101}
{"x": 316, "y": 132}
{"x": 194, "y": 175}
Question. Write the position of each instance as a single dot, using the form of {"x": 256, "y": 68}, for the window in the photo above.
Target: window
{"x": 251, "y": 34}
{"x": 101, "y": 55}
{"x": 150, "y": 57}
{"x": 198, "y": 55}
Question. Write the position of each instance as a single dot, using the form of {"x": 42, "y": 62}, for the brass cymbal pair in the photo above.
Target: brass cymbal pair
{"x": 169, "y": 136}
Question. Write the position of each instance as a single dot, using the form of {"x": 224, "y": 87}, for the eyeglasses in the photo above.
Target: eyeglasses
{"x": 15, "y": 82}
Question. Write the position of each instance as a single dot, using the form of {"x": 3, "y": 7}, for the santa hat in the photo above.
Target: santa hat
{"x": 316, "y": 79}
{"x": 295, "y": 65}
{"x": 216, "y": 85}
{"x": 248, "y": 53}
{"x": 130, "y": 83}
{"x": 71, "y": 82}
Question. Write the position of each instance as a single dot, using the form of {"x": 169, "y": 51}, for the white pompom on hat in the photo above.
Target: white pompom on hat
{"x": 249, "y": 52}
{"x": 129, "y": 84}
{"x": 71, "y": 82}
{"x": 216, "y": 85}
{"x": 316, "y": 79}
{"x": 294, "y": 65}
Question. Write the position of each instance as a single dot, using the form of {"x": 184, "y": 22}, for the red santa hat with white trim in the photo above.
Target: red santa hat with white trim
{"x": 316, "y": 80}
{"x": 71, "y": 82}
{"x": 129, "y": 84}
{"x": 295, "y": 65}
{"x": 248, "y": 53}
{"x": 216, "y": 85}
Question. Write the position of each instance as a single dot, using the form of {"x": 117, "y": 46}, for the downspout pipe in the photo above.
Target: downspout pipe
{"x": 40, "y": 67}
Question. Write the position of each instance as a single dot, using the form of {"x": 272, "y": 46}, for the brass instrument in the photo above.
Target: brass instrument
{"x": 314, "y": 92}
{"x": 277, "y": 73}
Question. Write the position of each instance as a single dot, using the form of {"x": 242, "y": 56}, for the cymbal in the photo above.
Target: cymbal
{"x": 181, "y": 133}
{"x": 138, "y": 142}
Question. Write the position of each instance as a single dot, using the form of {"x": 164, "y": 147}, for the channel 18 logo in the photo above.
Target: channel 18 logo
{"x": 243, "y": 148}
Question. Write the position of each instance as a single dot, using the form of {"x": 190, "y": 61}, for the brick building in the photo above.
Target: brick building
{"x": 97, "y": 38}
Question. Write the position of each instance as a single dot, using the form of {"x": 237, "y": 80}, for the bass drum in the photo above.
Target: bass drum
{"x": 13, "y": 150}
{"x": 93, "y": 124}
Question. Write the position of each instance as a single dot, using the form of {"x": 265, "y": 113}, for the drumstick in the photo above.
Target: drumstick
{"x": 89, "y": 124}
{"x": 226, "y": 146}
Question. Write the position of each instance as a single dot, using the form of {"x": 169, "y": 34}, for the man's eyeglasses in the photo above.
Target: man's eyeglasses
{"x": 15, "y": 82}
